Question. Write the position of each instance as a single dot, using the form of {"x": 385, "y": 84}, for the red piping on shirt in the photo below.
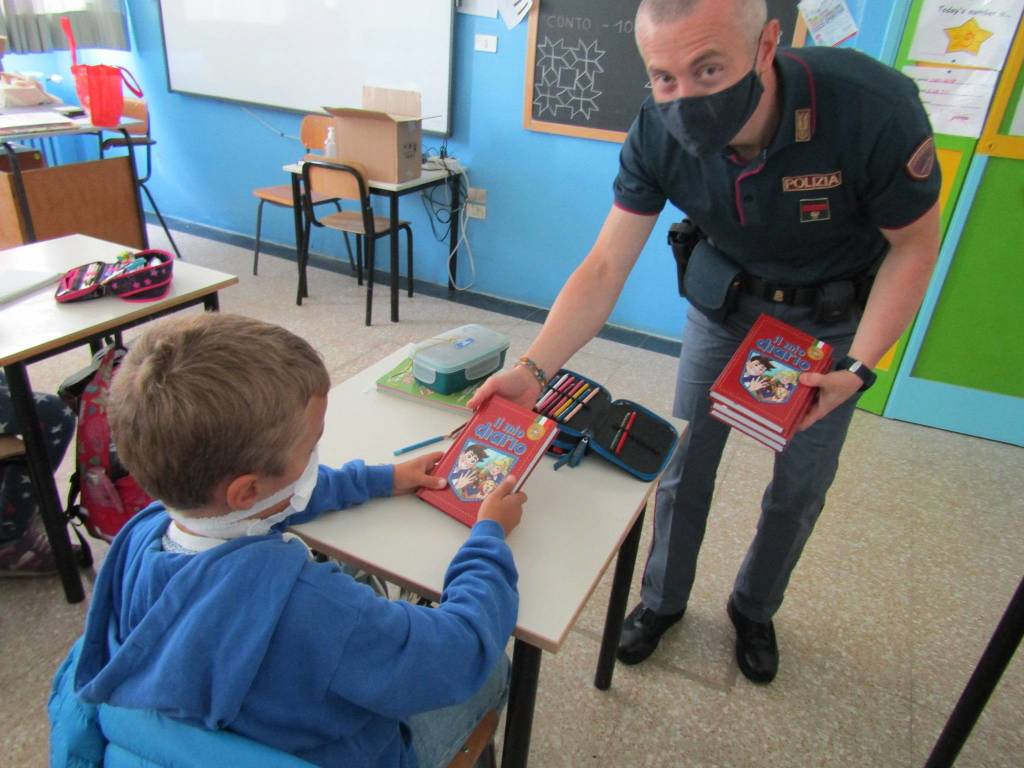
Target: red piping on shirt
{"x": 739, "y": 199}
{"x": 621, "y": 207}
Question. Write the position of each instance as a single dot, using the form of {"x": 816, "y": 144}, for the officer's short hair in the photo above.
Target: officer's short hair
{"x": 753, "y": 13}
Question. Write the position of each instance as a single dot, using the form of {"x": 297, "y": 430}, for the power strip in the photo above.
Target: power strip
{"x": 442, "y": 164}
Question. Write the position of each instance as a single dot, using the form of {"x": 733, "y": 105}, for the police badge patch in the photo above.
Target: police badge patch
{"x": 922, "y": 161}
{"x": 814, "y": 209}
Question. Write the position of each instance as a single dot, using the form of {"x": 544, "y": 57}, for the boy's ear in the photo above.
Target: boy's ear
{"x": 241, "y": 492}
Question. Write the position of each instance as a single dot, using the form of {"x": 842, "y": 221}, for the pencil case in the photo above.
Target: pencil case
{"x": 147, "y": 281}
{"x": 623, "y": 432}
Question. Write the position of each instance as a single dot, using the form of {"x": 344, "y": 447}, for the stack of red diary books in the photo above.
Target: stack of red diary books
{"x": 759, "y": 391}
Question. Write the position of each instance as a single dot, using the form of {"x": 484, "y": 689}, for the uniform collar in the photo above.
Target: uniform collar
{"x": 798, "y": 119}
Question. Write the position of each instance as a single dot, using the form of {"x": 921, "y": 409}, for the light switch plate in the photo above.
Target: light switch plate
{"x": 486, "y": 43}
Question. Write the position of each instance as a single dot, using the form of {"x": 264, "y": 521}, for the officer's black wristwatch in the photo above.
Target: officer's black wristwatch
{"x": 853, "y": 365}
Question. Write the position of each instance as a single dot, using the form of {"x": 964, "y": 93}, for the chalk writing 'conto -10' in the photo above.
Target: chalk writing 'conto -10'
{"x": 582, "y": 23}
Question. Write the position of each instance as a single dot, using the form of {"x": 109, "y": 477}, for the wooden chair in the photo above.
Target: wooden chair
{"x": 11, "y": 449}
{"x": 312, "y": 133}
{"x": 139, "y": 136}
{"x": 480, "y": 744}
{"x": 346, "y": 180}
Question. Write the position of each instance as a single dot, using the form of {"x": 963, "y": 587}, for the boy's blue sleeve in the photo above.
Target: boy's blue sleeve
{"x": 399, "y": 659}
{"x": 353, "y": 483}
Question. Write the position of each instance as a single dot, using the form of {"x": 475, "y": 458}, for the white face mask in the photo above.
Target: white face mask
{"x": 241, "y": 523}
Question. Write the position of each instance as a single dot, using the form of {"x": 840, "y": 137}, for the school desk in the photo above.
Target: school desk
{"x": 575, "y": 522}
{"x": 98, "y": 197}
{"x": 35, "y": 327}
{"x": 393, "y": 191}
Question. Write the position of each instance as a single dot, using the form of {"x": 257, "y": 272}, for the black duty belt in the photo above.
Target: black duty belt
{"x": 797, "y": 295}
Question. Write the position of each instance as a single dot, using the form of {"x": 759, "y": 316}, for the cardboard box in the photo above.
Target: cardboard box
{"x": 385, "y": 136}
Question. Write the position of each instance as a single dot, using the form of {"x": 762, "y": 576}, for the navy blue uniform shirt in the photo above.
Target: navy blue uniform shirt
{"x": 853, "y": 153}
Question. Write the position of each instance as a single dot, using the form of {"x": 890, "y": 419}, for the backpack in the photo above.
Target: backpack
{"x": 103, "y": 494}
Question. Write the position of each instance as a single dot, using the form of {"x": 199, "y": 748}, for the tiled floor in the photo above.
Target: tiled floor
{"x": 906, "y": 576}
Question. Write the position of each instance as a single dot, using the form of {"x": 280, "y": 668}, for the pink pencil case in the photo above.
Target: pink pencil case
{"x": 148, "y": 282}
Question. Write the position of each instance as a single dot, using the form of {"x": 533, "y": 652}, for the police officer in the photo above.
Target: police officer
{"x": 812, "y": 173}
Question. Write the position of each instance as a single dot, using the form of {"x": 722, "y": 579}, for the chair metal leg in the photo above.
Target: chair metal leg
{"x": 408, "y": 257}
{"x": 303, "y": 259}
{"x": 370, "y": 248}
{"x": 359, "y": 259}
{"x": 259, "y": 224}
{"x": 160, "y": 218}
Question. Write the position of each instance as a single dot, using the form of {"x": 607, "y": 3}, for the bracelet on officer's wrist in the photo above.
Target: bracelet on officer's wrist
{"x": 535, "y": 370}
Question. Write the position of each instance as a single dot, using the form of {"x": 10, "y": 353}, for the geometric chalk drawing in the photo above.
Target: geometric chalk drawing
{"x": 566, "y": 78}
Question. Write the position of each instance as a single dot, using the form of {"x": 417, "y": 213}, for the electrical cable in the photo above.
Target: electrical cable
{"x": 268, "y": 126}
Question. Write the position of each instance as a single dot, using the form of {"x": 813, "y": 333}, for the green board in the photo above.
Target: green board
{"x": 974, "y": 336}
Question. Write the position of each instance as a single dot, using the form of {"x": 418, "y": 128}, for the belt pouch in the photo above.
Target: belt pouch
{"x": 711, "y": 282}
{"x": 833, "y": 301}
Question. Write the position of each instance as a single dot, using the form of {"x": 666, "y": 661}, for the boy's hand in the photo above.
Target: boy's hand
{"x": 502, "y": 506}
{"x": 415, "y": 473}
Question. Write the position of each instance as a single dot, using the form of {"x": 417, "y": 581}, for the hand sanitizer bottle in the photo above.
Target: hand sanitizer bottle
{"x": 330, "y": 147}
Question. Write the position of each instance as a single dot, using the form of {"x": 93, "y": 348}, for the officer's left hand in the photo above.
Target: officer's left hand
{"x": 834, "y": 389}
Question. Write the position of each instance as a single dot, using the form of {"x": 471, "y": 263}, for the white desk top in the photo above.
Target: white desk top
{"x": 35, "y": 322}
{"x": 573, "y": 524}
{"x": 426, "y": 177}
{"x": 78, "y": 126}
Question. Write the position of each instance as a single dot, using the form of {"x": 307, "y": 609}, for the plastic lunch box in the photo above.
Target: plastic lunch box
{"x": 457, "y": 358}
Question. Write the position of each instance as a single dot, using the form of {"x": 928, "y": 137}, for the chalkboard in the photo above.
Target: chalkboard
{"x": 584, "y": 75}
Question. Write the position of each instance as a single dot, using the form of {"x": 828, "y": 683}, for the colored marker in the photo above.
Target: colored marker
{"x": 625, "y": 432}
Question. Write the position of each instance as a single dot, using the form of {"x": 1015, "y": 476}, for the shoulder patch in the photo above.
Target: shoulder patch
{"x": 922, "y": 161}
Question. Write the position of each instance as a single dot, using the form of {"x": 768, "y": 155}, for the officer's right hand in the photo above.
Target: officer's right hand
{"x": 502, "y": 506}
{"x": 516, "y": 384}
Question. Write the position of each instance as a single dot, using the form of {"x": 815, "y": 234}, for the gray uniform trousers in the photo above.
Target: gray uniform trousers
{"x": 793, "y": 499}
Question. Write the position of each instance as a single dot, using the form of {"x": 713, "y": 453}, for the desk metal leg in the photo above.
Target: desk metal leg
{"x": 143, "y": 232}
{"x": 393, "y": 238}
{"x": 42, "y": 481}
{"x": 453, "y": 230}
{"x": 299, "y": 229}
{"x": 212, "y": 303}
{"x": 994, "y": 660}
{"x": 20, "y": 195}
{"x": 613, "y": 620}
{"x": 522, "y": 696}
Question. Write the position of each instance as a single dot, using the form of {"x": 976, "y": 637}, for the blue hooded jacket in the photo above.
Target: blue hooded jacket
{"x": 254, "y": 637}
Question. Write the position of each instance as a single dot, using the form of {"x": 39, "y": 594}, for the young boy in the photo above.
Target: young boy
{"x": 203, "y": 612}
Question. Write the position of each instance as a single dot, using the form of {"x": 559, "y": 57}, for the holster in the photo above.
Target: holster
{"x": 712, "y": 281}
{"x": 683, "y": 237}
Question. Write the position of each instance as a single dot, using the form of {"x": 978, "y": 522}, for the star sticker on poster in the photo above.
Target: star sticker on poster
{"x": 968, "y": 37}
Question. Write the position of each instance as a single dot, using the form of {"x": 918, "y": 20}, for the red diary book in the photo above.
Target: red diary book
{"x": 499, "y": 439}
{"x": 759, "y": 391}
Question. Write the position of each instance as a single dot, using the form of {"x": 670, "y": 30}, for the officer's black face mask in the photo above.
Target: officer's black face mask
{"x": 704, "y": 125}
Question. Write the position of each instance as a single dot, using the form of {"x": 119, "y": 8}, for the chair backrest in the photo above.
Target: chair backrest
{"x": 313, "y": 131}
{"x": 137, "y": 109}
{"x": 11, "y": 447}
{"x": 343, "y": 179}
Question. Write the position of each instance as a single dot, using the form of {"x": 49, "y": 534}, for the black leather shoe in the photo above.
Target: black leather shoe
{"x": 756, "y": 650}
{"x": 641, "y": 632}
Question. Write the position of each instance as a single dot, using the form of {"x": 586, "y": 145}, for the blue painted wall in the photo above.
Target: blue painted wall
{"x": 547, "y": 194}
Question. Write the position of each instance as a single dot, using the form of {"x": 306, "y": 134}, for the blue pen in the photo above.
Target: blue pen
{"x": 420, "y": 444}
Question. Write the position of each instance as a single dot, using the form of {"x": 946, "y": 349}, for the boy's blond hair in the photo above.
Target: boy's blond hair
{"x": 205, "y": 398}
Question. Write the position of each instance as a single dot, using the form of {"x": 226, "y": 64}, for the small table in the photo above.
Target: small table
{"x": 35, "y": 327}
{"x": 575, "y": 522}
{"x": 393, "y": 191}
{"x": 104, "y": 186}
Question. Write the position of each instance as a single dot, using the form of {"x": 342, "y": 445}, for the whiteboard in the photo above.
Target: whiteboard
{"x": 306, "y": 54}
